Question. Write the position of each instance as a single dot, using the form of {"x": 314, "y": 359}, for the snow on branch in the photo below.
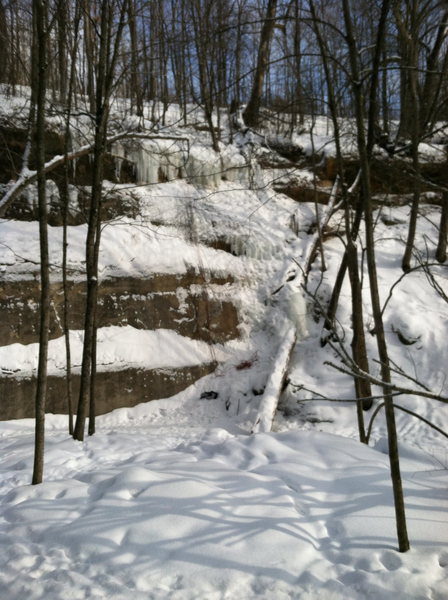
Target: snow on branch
{"x": 274, "y": 385}
{"x": 310, "y": 254}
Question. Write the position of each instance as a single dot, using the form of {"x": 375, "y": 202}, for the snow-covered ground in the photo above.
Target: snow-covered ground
{"x": 171, "y": 500}
{"x": 175, "y": 499}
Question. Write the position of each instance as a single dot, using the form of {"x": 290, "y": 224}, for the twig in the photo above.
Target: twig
{"x": 391, "y": 386}
{"x": 409, "y": 412}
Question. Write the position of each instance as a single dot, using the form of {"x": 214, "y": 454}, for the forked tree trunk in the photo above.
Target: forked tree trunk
{"x": 108, "y": 54}
{"x": 92, "y": 282}
{"x": 350, "y": 258}
{"x": 92, "y": 274}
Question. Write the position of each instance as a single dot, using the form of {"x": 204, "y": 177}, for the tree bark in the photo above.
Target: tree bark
{"x": 350, "y": 259}
{"x": 201, "y": 22}
{"x": 39, "y": 86}
{"x": 413, "y": 126}
{"x": 105, "y": 79}
{"x": 443, "y": 230}
{"x": 65, "y": 199}
{"x": 101, "y": 119}
{"x": 4, "y": 45}
{"x": 62, "y": 39}
{"x": 359, "y": 351}
{"x": 89, "y": 56}
{"x": 400, "y": 516}
{"x": 136, "y": 86}
{"x": 251, "y": 113}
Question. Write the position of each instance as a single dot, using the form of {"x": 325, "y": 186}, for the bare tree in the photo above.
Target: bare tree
{"x": 403, "y": 541}
{"x": 350, "y": 260}
{"x": 39, "y": 84}
{"x": 112, "y": 24}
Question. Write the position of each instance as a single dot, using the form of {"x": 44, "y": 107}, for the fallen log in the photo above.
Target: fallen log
{"x": 292, "y": 290}
{"x": 274, "y": 385}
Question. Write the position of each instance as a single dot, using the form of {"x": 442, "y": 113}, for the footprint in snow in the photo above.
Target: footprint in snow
{"x": 391, "y": 561}
{"x": 443, "y": 560}
{"x": 335, "y": 529}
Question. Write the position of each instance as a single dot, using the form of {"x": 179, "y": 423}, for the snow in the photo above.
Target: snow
{"x": 118, "y": 347}
{"x": 175, "y": 499}
{"x": 128, "y": 248}
{"x": 157, "y": 506}
{"x": 273, "y": 389}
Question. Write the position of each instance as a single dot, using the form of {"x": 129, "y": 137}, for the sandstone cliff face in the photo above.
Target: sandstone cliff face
{"x": 189, "y": 302}
{"x": 179, "y": 302}
{"x": 190, "y": 291}
{"x": 114, "y": 389}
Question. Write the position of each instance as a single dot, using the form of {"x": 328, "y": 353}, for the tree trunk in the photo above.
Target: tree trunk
{"x": 435, "y": 75}
{"x": 92, "y": 272}
{"x": 403, "y": 541}
{"x": 413, "y": 128}
{"x": 108, "y": 54}
{"x": 65, "y": 200}
{"x": 350, "y": 258}
{"x": 136, "y": 87}
{"x": 4, "y": 45}
{"x": 39, "y": 87}
{"x": 359, "y": 351}
{"x": 92, "y": 403}
{"x": 297, "y": 108}
{"x": 89, "y": 56}
{"x": 62, "y": 32}
{"x": 443, "y": 230}
{"x": 251, "y": 113}
{"x": 92, "y": 285}
{"x": 202, "y": 39}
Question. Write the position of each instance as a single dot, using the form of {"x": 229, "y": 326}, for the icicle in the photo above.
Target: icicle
{"x": 156, "y": 159}
{"x": 73, "y": 200}
{"x": 119, "y": 153}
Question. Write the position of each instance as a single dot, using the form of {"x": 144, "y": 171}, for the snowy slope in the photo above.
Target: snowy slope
{"x": 174, "y": 499}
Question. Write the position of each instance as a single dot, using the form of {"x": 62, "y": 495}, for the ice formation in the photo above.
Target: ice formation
{"x": 166, "y": 160}
{"x": 292, "y": 302}
{"x": 297, "y": 312}
{"x": 30, "y": 197}
{"x": 252, "y": 246}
